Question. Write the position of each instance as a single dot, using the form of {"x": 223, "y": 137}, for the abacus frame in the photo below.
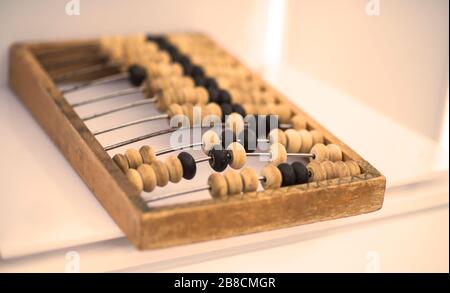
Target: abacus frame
{"x": 157, "y": 227}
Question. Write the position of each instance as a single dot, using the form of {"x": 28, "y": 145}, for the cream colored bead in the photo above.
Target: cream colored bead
{"x": 134, "y": 158}
{"x": 189, "y": 95}
{"x": 272, "y": 177}
{"x": 174, "y": 168}
{"x": 317, "y": 136}
{"x": 135, "y": 179}
{"x": 174, "y": 109}
{"x": 354, "y": 168}
{"x": 214, "y": 109}
{"x": 307, "y": 140}
{"x": 277, "y": 135}
{"x": 235, "y": 122}
{"x": 188, "y": 111}
{"x": 202, "y": 95}
{"x": 218, "y": 186}
{"x": 161, "y": 172}
{"x": 317, "y": 172}
{"x": 284, "y": 112}
{"x": 335, "y": 152}
{"x": 148, "y": 154}
{"x": 294, "y": 141}
{"x": 209, "y": 139}
{"x": 148, "y": 177}
{"x": 249, "y": 179}
{"x": 330, "y": 169}
{"x": 342, "y": 169}
{"x": 122, "y": 162}
{"x": 298, "y": 122}
{"x": 239, "y": 157}
{"x": 278, "y": 154}
{"x": 320, "y": 152}
{"x": 234, "y": 182}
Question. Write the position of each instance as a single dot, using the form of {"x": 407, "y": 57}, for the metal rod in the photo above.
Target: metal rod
{"x": 139, "y": 138}
{"x": 119, "y": 93}
{"x": 178, "y": 193}
{"x": 135, "y": 122}
{"x": 119, "y": 108}
{"x": 169, "y": 150}
{"x": 96, "y": 82}
{"x": 202, "y": 160}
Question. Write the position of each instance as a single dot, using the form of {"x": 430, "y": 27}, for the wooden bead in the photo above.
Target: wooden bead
{"x": 249, "y": 179}
{"x": 164, "y": 100}
{"x": 249, "y": 108}
{"x": 202, "y": 95}
{"x": 188, "y": 111}
{"x": 209, "y": 139}
{"x": 307, "y": 140}
{"x": 148, "y": 154}
{"x": 278, "y": 154}
{"x": 320, "y": 152}
{"x": 234, "y": 182}
{"x": 174, "y": 109}
{"x": 218, "y": 186}
{"x": 342, "y": 169}
{"x": 272, "y": 177}
{"x": 235, "y": 122}
{"x": 354, "y": 168}
{"x": 214, "y": 109}
{"x": 284, "y": 112}
{"x": 189, "y": 95}
{"x": 174, "y": 168}
{"x": 335, "y": 152}
{"x": 294, "y": 141}
{"x": 161, "y": 172}
{"x": 135, "y": 179}
{"x": 122, "y": 162}
{"x": 134, "y": 158}
{"x": 317, "y": 172}
{"x": 330, "y": 169}
{"x": 277, "y": 135}
{"x": 148, "y": 177}
{"x": 239, "y": 157}
{"x": 317, "y": 136}
{"x": 298, "y": 122}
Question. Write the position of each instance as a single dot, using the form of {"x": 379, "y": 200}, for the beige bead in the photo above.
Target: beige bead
{"x": 298, "y": 122}
{"x": 272, "y": 177}
{"x": 188, "y": 111}
{"x": 354, "y": 167}
{"x": 122, "y": 162}
{"x": 174, "y": 168}
{"x": 174, "y": 109}
{"x": 284, "y": 112}
{"x": 335, "y": 152}
{"x": 317, "y": 136}
{"x": 235, "y": 122}
{"x": 239, "y": 157}
{"x": 294, "y": 141}
{"x": 209, "y": 139}
{"x": 189, "y": 95}
{"x": 317, "y": 172}
{"x": 218, "y": 186}
{"x": 135, "y": 179}
{"x": 277, "y": 135}
{"x": 249, "y": 108}
{"x": 134, "y": 158}
{"x": 177, "y": 70}
{"x": 148, "y": 154}
{"x": 277, "y": 153}
{"x": 234, "y": 182}
{"x": 330, "y": 169}
{"x": 236, "y": 96}
{"x": 202, "y": 95}
{"x": 320, "y": 152}
{"x": 161, "y": 172}
{"x": 249, "y": 179}
{"x": 307, "y": 140}
{"x": 148, "y": 177}
{"x": 164, "y": 100}
{"x": 214, "y": 109}
{"x": 342, "y": 169}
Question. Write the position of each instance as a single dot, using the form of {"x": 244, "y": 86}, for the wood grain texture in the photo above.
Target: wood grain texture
{"x": 190, "y": 222}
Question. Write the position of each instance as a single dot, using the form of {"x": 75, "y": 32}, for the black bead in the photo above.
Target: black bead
{"x": 227, "y": 137}
{"x": 224, "y": 97}
{"x": 287, "y": 173}
{"x": 213, "y": 94}
{"x": 301, "y": 173}
{"x": 155, "y": 38}
{"x": 219, "y": 159}
{"x": 237, "y": 108}
{"x": 198, "y": 80}
{"x": 197, "y": 71}
{"x": 210, "y": 82}
{"x": 247, "y": 138}
{"x": 227, "y": 109}
{"x": 137, "y": 74}
{"x": 188, "y": 164}
{"x": 252, "y": 123}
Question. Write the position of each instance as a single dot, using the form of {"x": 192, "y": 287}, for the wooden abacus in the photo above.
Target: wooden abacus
{"x": 348, "y": 187}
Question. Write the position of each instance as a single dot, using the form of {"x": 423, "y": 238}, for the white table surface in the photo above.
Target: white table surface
{"x": 46, "y": 210}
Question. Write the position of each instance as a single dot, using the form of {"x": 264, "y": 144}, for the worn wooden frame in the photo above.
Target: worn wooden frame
{"x": 184, "y": 223}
